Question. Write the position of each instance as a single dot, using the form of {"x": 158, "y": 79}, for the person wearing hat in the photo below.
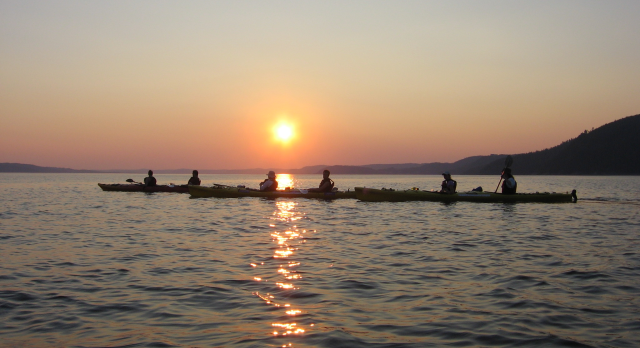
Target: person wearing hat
{"x": 509, "y": 185}
{"x": 448, "y": 185}
{"x": 270, "y": 183}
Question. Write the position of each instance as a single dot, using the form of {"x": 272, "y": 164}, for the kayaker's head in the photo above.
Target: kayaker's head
{"x": 195, "y": 173}
{"x": 271, "y": 174}
{"x": 506, "y": 172}
{"x": 325, "y": 174}
{"x": 446, "y": 175}
{"x": 150, "y": 172}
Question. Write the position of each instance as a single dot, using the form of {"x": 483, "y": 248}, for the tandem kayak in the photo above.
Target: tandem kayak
{"x": 220, "y": 191}
{"x": 374, "y": 195}
{"x": 142, "y": 188}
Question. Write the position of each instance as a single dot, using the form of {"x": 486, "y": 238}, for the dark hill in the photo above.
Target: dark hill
{"x": 613, "y": 149}
{"x": 30, "y": 168}
{"x": 350, "y": 170}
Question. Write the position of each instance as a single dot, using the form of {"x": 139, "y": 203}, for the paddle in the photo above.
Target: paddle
{"x": 133, "y": 182}
{"x": 507, "y": 163}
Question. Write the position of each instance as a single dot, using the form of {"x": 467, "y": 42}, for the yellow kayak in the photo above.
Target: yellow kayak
{"x": 389, "y": 195}
{"x": 220, "y": 191}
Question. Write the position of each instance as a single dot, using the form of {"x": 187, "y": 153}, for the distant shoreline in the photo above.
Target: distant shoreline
{"x": 203, "y": 172}
{"x": 612, "y": 149}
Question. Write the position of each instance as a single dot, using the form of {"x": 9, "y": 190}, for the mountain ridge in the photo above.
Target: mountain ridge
{"x": 611, "y": 149}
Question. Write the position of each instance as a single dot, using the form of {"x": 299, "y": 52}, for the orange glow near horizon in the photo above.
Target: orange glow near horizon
{"x": 220, "y": 102}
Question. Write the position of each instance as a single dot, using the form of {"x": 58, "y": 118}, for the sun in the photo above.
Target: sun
{"x": 284, "y": 132}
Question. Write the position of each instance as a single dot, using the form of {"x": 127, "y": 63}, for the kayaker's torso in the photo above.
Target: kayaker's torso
{"x": 509, "y": 186}
{"x": 326, "y": 185}
{"x": 150, "y": 181}
{"x": 449, "y": 186}
{"x": 269, "y": 185}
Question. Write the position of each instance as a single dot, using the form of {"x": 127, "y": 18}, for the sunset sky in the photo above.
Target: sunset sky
{"x": 206, "y": 84}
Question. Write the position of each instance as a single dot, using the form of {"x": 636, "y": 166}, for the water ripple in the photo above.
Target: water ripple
{"x": 85, "y": 268}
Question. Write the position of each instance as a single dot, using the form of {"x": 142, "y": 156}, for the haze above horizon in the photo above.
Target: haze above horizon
{"x": 235, "y": 85}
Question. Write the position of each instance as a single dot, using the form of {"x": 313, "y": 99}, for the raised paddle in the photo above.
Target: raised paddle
{"x": 507, "y": 163}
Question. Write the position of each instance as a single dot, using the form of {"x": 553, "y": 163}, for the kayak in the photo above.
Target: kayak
{"x": 142, "y": 188}
{"x": 390, "y": 195}
{"x": 220, "y": 191}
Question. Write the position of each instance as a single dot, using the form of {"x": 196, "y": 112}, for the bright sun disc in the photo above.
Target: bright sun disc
{"x": 284, "y": 132}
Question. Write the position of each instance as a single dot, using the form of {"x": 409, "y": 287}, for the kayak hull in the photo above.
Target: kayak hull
{"x": 234, "y": 192}
{"x": 142, "y": 188}
{"x": 374, "y": 195}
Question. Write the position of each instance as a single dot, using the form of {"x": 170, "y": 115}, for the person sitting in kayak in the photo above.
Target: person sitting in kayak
{"x": 448, "y": 185}
{"x": 270, "y": 183}
{"x": 326, "y": 185}
{"x": 150, "y": 180}
{"x": 509, "y": 185}
{"x": 194, "y": 179}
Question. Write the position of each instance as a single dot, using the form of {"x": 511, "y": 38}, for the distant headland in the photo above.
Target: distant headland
{"x": 612, "y": 149}
{"x": 30, "y": 168}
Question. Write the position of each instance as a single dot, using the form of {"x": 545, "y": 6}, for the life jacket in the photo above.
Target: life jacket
{"x": 273, "y": 187}
{"x": 331, "y": 184}
{"x": 445, "y": 185}
{"x": 509, "y": 190}
{"x": 194, "y": 181}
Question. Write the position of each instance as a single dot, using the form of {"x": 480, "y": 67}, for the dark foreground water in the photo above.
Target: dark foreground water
{"x": 84, "y": 268}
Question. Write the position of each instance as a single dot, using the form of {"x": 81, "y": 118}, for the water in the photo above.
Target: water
{"x": 85, "y": 268}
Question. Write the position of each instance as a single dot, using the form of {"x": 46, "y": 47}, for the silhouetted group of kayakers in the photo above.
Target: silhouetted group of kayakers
{"x": 509, "y": 184}
{"x": 271, "y": 184}
{"x": 151, "y": 180}
{"x": 448, "y": 186}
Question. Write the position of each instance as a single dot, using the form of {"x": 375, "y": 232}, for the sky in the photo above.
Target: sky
{"x": 203, "y": 84}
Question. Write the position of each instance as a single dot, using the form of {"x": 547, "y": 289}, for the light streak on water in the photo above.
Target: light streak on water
{"x": 283, "y": 235}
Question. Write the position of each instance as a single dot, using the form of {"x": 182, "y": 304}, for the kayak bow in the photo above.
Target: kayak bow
{"x": 142, "y": 188}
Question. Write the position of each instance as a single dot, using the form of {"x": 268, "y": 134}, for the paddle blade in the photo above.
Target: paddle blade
{"x": 508, "y": 161}
{"x": 129, "y": 180}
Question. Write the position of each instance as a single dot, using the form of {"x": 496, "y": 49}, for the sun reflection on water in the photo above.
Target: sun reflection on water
{"x": 285, "y": 181}
{"x": 286, "y": 240}
{"x": 285, "y": 285}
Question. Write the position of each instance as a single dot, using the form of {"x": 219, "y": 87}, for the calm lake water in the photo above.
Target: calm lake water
{"x": 85, "y": 268}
